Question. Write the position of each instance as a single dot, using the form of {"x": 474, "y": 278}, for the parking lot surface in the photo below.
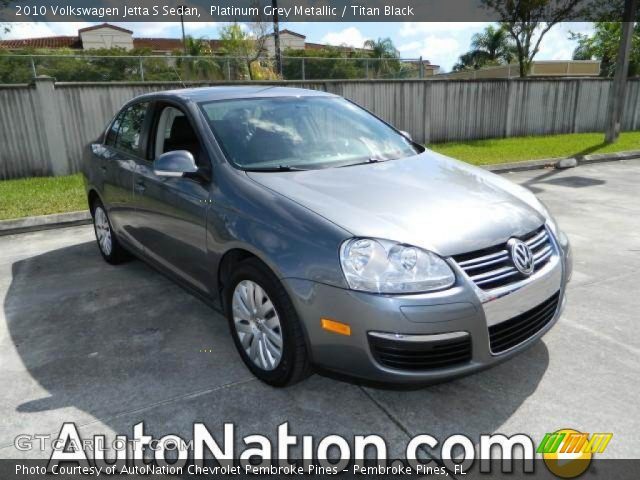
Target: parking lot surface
{"x": 107, "y": 347}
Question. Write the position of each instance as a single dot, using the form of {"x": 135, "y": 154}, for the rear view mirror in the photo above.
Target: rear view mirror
{"x": 174, "y": 164}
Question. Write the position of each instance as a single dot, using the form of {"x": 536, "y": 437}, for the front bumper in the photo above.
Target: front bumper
{"x": 461, "y": 312}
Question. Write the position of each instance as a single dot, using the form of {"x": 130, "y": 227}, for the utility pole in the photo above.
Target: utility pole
{"x": 619, "y": 86}
{"x": 276, "y": 36}
{"x": 184, "y": 39}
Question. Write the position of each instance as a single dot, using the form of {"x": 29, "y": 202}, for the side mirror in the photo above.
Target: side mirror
{"x": 175, "y": 164}
{"x": 407, "y": 135}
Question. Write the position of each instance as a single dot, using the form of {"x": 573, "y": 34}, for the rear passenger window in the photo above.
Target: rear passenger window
{"x": 130, "y": 128}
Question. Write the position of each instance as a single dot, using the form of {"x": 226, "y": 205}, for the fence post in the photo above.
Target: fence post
{"x": 304, "y": 77}
{"x": 366, "y": 68}
{"x": 52, "y": 126}
{"x": 33, "y": 68}
{"x": 141, "y": 69}
{"x": 421, "y": 68}
{"x": 576, "y": 104}
{"x": 508, "y": 121}
{"x": 228, "y": 70}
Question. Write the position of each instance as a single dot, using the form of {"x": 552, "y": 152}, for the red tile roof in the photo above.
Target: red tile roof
{"x": 167, "y": 44}
{"x": 44, "y": 42}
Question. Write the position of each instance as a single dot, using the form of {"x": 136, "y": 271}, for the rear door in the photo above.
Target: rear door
{"x": 171, "y": 212}
{"x": 123, "y": 146}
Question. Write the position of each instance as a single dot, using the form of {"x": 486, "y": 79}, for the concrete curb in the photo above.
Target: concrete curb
{"x": 44, "y": 222}
{"x": 61, "y": 220}
{"x": 562, "y": 162}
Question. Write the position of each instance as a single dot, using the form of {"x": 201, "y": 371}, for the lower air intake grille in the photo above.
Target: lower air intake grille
{"x": 418, "y": 355}
{"x": 510, "y": 333}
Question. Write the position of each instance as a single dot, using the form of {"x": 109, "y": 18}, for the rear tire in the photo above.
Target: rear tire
{"x": 108, "y": 243}
{"x": 264, "y": 324}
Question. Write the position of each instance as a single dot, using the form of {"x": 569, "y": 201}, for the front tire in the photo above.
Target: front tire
{"x": 265, "y": 326}
{"x": 108, "y": 244}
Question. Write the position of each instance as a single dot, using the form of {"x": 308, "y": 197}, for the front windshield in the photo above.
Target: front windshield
{"x": 301, "y": 133}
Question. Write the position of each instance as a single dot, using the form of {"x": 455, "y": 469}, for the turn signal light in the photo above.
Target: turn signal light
{"x": 335, "y": 327}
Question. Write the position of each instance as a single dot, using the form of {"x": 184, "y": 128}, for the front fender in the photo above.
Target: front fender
{"x": 292, "y": 240}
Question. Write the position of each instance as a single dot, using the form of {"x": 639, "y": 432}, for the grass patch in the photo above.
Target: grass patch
{"x": 41, "y": 196}
{"x": 45, "y": 195}
{"x": 503, "y": 150}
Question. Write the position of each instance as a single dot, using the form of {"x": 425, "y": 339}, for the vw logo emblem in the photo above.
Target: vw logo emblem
{"x": 521, "y": 256}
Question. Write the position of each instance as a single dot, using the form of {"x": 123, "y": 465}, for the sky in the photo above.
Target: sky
{"x": 440, "y": 43}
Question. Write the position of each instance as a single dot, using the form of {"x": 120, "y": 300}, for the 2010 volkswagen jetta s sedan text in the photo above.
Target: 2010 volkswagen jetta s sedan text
{"x": 327, "y": 237}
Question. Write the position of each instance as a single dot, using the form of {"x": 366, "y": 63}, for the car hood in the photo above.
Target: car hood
{"x": 427, "y": 200}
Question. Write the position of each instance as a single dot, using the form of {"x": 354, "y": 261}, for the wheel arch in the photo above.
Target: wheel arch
{"x": 92, "y": 197}
{"x": 229, "y": 260}
{"x": 237, "y": 255}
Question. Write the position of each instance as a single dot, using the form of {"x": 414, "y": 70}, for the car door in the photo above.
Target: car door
{"x": 171, "y": 212}
{"x": 118, "y": 161}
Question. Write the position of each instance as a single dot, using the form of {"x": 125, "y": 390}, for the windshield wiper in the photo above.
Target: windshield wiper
{"x": 279, "y": 168}
{"x": 368, "y": 160}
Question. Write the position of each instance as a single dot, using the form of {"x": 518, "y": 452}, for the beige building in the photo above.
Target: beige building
{"x": 105, "y": 36}
{"x": 541, "y": 68}
{"x": 288, "y": 40}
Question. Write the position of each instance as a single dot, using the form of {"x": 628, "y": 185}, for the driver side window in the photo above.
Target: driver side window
{"x": 174, "y": 132}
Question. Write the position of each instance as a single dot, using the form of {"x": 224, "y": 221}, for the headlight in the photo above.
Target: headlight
{"x": 383, "y": 266}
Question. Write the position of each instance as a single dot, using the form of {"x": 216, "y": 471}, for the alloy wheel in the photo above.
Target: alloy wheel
{"x": 103, "y": 230}
{"x": 257, "y": 325}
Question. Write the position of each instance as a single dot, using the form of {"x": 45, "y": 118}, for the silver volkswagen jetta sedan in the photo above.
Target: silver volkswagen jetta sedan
{"x": 327, "y": 237}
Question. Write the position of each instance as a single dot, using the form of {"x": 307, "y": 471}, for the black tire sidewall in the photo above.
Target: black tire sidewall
{"x": 253, "y": 271}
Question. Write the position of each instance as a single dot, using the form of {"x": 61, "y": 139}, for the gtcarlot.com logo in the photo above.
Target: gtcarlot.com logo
{"x": 567, "y": 453}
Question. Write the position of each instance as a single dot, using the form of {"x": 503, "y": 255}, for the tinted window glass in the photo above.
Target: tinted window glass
{"x": 131, "y": 128}
{"x": 305, "y": 132}
{"x": 112, "y": 134}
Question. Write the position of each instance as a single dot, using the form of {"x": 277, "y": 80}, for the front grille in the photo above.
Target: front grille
{"x": 493, "y": 268}
{"x": 418, "y": 355}
{"x": 512, "y": 332}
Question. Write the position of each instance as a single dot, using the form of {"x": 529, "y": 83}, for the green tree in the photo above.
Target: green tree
{"x": 386, "y": 54}
{"x": 603, "y": 45}
{"x": 246, "y": 44}
{"x": 494, "y": 46}
{"x": 199, "y": 65}
{"x": 528, "y": 21}
{"x": 328, "y": 62}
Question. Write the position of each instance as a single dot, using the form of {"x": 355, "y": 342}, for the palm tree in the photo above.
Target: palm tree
{"x": 468, "y": 61}
{"x": 197, "y": 47}
{"x": 494, "y": 45}
{"x": 199, "y": 68}
{"x": 384, "y": 50}
{"x": 491, "y": 47}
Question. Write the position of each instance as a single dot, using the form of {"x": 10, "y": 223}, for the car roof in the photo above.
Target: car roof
{"x": 205, "y": 94}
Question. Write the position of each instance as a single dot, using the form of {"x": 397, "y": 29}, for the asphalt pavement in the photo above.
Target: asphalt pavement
{"x": 107, "y": 347}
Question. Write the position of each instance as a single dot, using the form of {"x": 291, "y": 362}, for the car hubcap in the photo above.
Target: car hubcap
{"x": 257, "y": 325}
{"x": 103, "y": 231}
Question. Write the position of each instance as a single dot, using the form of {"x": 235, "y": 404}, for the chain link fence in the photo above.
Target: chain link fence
{"x": 85, "y": 68}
